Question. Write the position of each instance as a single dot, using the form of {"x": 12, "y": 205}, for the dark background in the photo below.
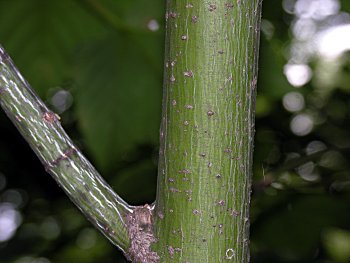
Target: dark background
{"x": 99, "y": 65}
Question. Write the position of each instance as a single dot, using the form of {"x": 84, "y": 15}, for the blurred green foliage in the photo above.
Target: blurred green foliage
{"x": 98, "y": 63}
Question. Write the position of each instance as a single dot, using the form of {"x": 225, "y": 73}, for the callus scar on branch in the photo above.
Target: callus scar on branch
{"x": 140, "y": 229}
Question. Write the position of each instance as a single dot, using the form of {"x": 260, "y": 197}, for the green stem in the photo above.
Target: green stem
{"x": 207, "y": 130}
{"x": 61, "y": 158}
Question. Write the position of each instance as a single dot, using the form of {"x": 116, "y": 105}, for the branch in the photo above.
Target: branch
{"x": 61, "y": 158}
{"x": 207, "y": 130}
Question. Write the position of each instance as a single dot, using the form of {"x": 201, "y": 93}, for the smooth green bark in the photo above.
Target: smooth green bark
{"x": 202, "y": 209}
{"x": 61, "y": 158}
{"x": 203, "y": 198}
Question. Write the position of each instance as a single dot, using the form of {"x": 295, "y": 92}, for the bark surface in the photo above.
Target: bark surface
{"x": 207, "y": 130}
{"x": 61, "y": 158}
{"x": 202, "y": 208}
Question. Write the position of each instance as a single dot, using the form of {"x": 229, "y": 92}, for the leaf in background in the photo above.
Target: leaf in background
{"x": 137, "y": 182}
{"x": 345, "y": 4}
{"x": 337, "y": 244}
{"x": 40, "y": 35}
{"x": 137, "y": 16}
{"x": 136, "y": 13}
{"x": 118, "y": 98}
{"x": 293, "y": 231}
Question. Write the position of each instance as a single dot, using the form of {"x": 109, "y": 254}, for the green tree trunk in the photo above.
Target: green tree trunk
{"x": 202, "y": 209}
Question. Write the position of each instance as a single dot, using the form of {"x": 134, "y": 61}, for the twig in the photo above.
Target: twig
{"x": 61, "y": 158}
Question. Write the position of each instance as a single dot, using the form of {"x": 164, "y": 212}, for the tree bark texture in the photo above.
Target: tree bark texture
{"x": 61, "y": 158}
{"x": 206, "y": 141}
{"x": 207, "y": 130}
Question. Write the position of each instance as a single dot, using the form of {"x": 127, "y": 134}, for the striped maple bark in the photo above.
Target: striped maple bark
{"x": 202, "y": 209}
